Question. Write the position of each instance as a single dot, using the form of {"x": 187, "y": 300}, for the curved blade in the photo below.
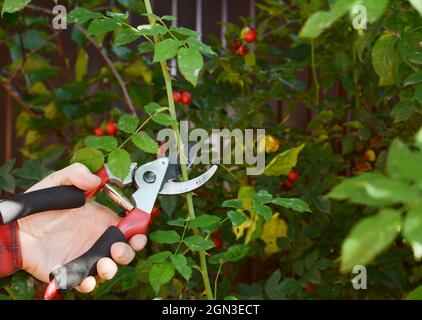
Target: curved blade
{"x": 171, "y": 187}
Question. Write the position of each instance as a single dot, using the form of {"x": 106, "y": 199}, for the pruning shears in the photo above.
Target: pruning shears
{"x": 149, "y": 180}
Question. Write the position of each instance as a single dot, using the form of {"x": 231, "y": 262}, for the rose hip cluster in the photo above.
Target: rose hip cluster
{"x": 110, "y": 129}
{"x": 184, "y": 97}
{"x": 292, "y": 177}
{"x": 247, "y": 36}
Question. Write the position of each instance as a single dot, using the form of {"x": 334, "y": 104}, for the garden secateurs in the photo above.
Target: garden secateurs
{"x": 149, "y": 180}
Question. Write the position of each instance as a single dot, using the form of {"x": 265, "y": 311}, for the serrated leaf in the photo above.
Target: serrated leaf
{"x": 179, "y": 222}
{"x": 198, "y": 243}
{"x": 417, "y": 4}
{"x": 232, "y": 203}
{"x": 402, "y": 163}
{"x": 11, "y": 6}
{"x": 181, "y": 264}
{"x": 236, "y": 253}
{"x": 263, "y": 210}
{"x": 413, "y": 79}
{"x": 190, "y": 63}
{"x": 412, "y": 231}
{"x": 106, "y": 143}
{"x": 379, "y": 231}
{"x": 403, "y": 110}
{"x": 81, "y": 15}
{"x": 90, "y": 157}
{"x": 152, "y": 107}
{"x": 101, "y": 26}
{"x": 128, "y": 35}
{"x": 165, "y": 237}
{"x": 166, "y": 49}
{"x": 283, "y": 163}
{"x": 144, "y": 142}
{"x": 146, "y": 47}
{"x": 160, "y": 274}
{"x": 204, "y": 221}
{"x": 236, "y": 217}
{"x": 81, "y": 67}
{"x": 119, "y": 163}
{"x": 262, "y": 197}
{"x": 294, "y": 204}
{"x": 128, "y": 123}
{"x": 385, "y": 59}
{"x": 163, "y": 119}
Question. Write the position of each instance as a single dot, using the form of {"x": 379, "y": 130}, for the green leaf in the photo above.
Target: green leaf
{"x": 148, "y": 30}
{"x": 159, "y": 257}
{"x": 160, "y": 273}
{"x": 7, "y": 181}
{"x": 128, "y": 123}
{"x": 184, "y": 31}
{"x": 369, "y": 238}
{"x": 373, "y": 189}
{"x": 128, "y": 35}
{"x": 11, "y": 6}
{"x": 417, "y": 293}
{"x": 22, "y": 286}
{"x": 106, "y": 143}
{"x": 417, "y": 4}
{"x": 263, "y": 211}
{"x": 81, "y": 15}
{"x": 403, "y": 110}
{"x": 195, "y": 44}
{"x": 262, "y": 197}
{"x": 374, "y": 9}
{"x": 413, "y": 79}
{"x": 146, "y": 47}
{"x": 118, "y": 16}
{"x": 409, "y": 47}
{"x": 163, "y": 119}
{"x": 236, "y": 253}
{"x": 402, "y": 163}
{"x": 294, "y": 204}
{"x": 152, "y": 107}
{"x": 168, "y": 18}
{"x": 119, "y": 163}
{"x": 166, "y": 49}
{"x": 165, "y": 237}
{"x": 385, "y": 59}
{"x": 236, "y": 217}
{"x": 198, "y": 243}
{"x": 204, "y": 221}
{"x": 181, "y": 264}
{"x": 283, "y": 163}
{"x": 144, "y": 142}
{"x": 418, "y": 139}
{"x": 81, "y": 67}
{"x": 190, "y": 63}
{"x": 412, "y": 231}
{"x": 179, "y": 222}
{"x": 418, "y": 93}
{"x": 90, "y": 157}
{"x": 101, "y": 26}
{"x": 232, "y": 203}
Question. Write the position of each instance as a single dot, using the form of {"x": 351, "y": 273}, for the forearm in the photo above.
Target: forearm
{"x": 10, "y": 250}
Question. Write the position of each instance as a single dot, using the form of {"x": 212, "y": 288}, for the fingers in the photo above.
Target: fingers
{"x": 76, "y": 174}
{"x": 106, "y": 268}
{"x": 122, "y": 253}
{"x": 138, "y": 242}
{"x": 87, "y": 285}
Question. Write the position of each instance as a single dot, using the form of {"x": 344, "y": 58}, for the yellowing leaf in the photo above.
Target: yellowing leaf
{"x": 250, "y": 224}
{"x": 273, "y": 229}
{"x": 283, "y": 163}
{"x": 50, "y": 110}
{"x": 81, "y": 64}
{"x": 39, "y": 88}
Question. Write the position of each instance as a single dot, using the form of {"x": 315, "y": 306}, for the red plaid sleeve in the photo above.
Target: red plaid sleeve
{"x": 10, "y": 252}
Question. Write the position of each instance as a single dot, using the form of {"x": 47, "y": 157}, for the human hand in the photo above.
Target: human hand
{"x": 51, "y": 239}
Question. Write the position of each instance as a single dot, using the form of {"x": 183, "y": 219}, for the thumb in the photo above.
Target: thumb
{"x": 76, "y": 174}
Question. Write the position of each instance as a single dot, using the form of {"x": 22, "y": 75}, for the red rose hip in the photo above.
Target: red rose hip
{"x": 293, "y": 176}
{"x": 186, "y": 98}
{"x": 112, "y": 128}
{"x": 250, "y": 36}
{"x": 177, "y": 96}
{"x": 99, "y": 132}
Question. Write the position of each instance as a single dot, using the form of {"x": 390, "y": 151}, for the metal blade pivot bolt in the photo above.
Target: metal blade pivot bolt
{"x": 150, "y": 177}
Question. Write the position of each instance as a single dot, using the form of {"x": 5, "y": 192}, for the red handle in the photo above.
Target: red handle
{"x": 102, "y": 173}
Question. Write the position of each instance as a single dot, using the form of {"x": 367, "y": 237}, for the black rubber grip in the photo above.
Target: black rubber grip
{"x": 73, "y": 273}
{"x": 55, "y": 198}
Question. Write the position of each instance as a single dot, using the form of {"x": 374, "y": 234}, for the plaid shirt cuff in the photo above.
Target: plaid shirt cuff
{"x": 10, "y": 251}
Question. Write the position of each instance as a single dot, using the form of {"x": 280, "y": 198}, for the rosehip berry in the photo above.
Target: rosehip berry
{"x": 186, "y": 98}
{"x": 177, "y": 96}
{"x": 216, "y": 233}
{"x": 218, "y": 243}
{"x": 156, "y": 211}
{"x": 287, "y": 183}
{"x": 293, "y": 176}
{"x": 112, "y": 128}
{"x": 242, "y": 50}
{"x": 235, "y": 45}
{"x": 99, "y": 132}
{"x": 250, "y": 36}
{"x": 310, "y": 288}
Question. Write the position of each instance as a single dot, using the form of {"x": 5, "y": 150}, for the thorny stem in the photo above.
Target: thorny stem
{"x": 175, "y": 127}
{"x": 314, "y": 73}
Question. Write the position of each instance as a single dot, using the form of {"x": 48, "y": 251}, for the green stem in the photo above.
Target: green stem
{"x": 175, "y": 127}
{"x": 314, "y": 73}
{"x": 216, "y": 280}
